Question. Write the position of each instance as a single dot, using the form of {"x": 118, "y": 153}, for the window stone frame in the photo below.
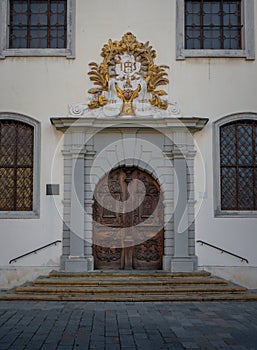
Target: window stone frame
{"x": 5, "y": 51}
{"x": 218, "y": 212}
{"x": 248, "y": 50}
{"x": 35, "y": 213}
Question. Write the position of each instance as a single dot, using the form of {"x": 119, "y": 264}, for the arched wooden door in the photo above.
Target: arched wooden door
{"x": 128, "y": 221}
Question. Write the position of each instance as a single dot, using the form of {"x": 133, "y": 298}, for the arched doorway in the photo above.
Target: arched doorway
{"x": 128, "y": 221}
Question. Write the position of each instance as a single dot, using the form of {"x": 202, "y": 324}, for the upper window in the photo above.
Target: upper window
{"x": 213, "y": 24}
{"x": 18, "y": 167}
{"x": 37, "y": 28}
{"x": 38, "y": 24}
{"x": 215, "y": 28}
{"x": 237, "y": 178}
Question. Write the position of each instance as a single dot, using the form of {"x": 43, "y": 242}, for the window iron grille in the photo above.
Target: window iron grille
{"x": 211, "y": 24}
{"x": 16, "y": 166}
{"x": 238, "y": 165}
{"x": 38, "y": 24}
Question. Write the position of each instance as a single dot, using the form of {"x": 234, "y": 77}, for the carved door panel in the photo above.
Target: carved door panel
{"x": 128, "y": 221}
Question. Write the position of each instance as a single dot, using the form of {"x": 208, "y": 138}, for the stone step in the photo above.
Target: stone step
{"x": 136, "y": 274}
{"x": 188, "y": 289}
{"x": 130, "y": 286}
{"x": 84, "y": 281}
{"x": 131, "y": 297}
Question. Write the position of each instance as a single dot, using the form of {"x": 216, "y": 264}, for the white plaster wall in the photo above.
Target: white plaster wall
{"x": 237, "y": 235}
{"x": 11, "y": 277}
{"x": 43, "y": 87}
{"x": 244, "y": 275}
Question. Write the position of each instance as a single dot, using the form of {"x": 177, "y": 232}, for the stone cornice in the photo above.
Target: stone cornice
{"x": 89, "y": 124}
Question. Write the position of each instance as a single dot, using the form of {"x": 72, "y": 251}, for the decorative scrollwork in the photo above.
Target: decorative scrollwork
{"x": 148, "y": 251}
{"x": 108, "y": 253}
{"x": 77, "y": 109}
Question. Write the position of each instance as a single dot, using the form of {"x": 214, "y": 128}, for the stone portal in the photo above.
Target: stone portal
{"x": 163, "y": 149}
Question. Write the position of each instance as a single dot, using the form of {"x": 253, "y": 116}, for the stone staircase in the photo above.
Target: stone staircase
{"x": 130, "y": 286}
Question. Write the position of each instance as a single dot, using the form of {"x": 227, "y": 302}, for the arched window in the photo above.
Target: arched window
{"x": 237, "y": 164}
{"x": 18, "y": 167}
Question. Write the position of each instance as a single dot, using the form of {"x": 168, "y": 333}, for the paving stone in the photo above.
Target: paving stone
{"x": 97, "y": 345}
{"x": 66, "y": 326}
{"x": 112, "y": 347}
{"x": 127, "y": 341}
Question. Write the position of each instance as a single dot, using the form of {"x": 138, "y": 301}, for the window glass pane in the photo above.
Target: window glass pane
{"x": 25, "y": 146}
{"x": 245, "y": 144}
{"x": 230, "y": 6}
{"x": 245, "y": 189}
{"x": 42, "y": 19}
{"x": 189, "y": 19}
{"x": 54, "y": 42}
{"x": 6, "y": 189}
{"x": 38, "y": 38}
{"x": 54, "y": 19}
{"x": 211, "y": 13}
{"x": 38, "y": 6}
{"x": 34, "y": 19}
{"x": 61, "y": 41}
{"x": 255, "y": 143}
{"x": 192, "y": 13}
{"x": 20, "y": 19}
{"x": 232, "y": 38}
{"x": 206, "y": 19}
{"x": 24, "y": 156}
{"x": 53, "y": 7}
{"x": 193, "y": 38}
{"x": 206, "y": 6}
{"x": 228, "y": 145}
{"x": 19, "y": 38}
{"x": 61, "y": 6}
{"x": 58, "y": 7}
{"x": 34, "y": 41}
{"x": 38, "y": 19}
{"x": 19, "y": 5}
{"x": 24, "y": 185}
{"x": 211, "y": 38}
{"x": 7, "y": 156}
{"x": 61, "y": 19}
{"x": 58, "y": 37}
{"x": 228, "y": 189}
{"x": 8, "y": 134}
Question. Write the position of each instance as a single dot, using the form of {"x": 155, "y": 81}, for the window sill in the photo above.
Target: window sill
{"x": 235, "y": 214}
{"x": 19, "y": 215}
{"x": 183, "y": 54}
{"x": 36, "y": 53}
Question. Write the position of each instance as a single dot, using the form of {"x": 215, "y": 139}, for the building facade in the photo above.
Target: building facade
{"x": 147, "y": 162}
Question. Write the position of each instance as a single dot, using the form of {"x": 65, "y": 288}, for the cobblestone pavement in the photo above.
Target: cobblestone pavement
{"x": 128, "y": 325}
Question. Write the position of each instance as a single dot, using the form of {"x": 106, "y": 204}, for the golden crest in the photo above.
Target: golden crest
{"x": 127, "y": 73}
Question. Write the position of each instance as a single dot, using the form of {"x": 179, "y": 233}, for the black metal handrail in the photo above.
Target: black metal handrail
{"x": 34, "y": 251}
{"x": 223, "y": 250}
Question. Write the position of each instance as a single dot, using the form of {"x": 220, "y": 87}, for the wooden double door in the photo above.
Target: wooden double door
{"x": 128, "y": 221}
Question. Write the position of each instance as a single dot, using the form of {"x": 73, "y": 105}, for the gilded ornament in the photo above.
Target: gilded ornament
{"x": 127, "y": 81}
